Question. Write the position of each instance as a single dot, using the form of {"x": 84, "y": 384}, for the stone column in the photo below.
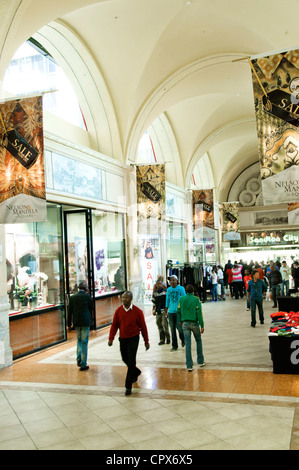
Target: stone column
{"x": 5, "y": 349}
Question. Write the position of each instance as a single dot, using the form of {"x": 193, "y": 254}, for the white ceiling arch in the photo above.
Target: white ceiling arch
{"x": 225, "y": 148}
{"x": 164, "y": 58}
{"x": 72, "y": 55}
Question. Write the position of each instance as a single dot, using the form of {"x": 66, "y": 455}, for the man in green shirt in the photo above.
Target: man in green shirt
{"x": 190, "y": 316}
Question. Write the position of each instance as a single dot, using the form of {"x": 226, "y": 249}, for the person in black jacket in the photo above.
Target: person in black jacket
{"x": 80, "y": 315}
{"x": 275, "y": 282}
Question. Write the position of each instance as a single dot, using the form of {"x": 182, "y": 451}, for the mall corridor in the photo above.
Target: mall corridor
{"x": 234, "y": 403}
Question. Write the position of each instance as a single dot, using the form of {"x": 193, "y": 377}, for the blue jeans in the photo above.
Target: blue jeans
{"x": 259, "y": 304}
{"x": 248, "y": 301}
{"x": 286, "y": 284}
{"x": 175, "y": 325}
{"x": 215, "y": 292}
{"x": 82, "y": 344}
{"x": 275, "y": 292}
{"x": 221, "y": 282}
{"x": 193, "y": 327}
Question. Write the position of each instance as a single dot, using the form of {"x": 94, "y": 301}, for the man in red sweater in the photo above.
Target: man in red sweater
{"x": 129, "y": 320}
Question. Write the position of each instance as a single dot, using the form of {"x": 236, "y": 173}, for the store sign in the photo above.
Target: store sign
{"x": 279, "y": 238}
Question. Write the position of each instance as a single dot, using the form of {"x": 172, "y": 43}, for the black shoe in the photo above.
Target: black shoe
{"x": 168, "y": 341}
{"x": 128, "y": 391}
{"x": 183, "y": 343}
{"x": 79, "y": 363}
{"x": 84, "y": 368}
{"x": 135, "y": 378}
{"x": 161, "y": 342}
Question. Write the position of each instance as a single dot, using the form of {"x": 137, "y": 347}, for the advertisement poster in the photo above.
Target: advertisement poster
{"x": 203, "y": 214}
{"x": 151, "y": 210}
{"x": 276, "y": 96}
{"x": 22, "y": 175}
{"x": 230, "y": 221}
{"x": 150, "y": 265}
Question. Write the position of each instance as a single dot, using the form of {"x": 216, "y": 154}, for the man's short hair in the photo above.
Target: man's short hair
{"x": 189, "y": 289}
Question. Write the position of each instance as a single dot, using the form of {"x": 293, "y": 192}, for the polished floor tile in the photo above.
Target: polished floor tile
{"x": 235, "y": 402}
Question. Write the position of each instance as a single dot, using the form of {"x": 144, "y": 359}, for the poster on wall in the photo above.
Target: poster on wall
{"x": 203, "y": 214}
{"x": 230, "y": 221}
{"x": 150, "y": 265}
{"x": 22, "y": 174}
{"x": 151, "y": 209}
{"x": 276, "y": 94}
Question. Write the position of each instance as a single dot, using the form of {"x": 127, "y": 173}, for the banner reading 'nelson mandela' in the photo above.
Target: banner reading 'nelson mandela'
{"x": 276, "y": 93}
{"x": 22, "y": 174}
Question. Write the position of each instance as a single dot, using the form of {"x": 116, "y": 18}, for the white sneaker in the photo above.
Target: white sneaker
{"x": 190, "y": 369}
{"x": 202, "y": 365}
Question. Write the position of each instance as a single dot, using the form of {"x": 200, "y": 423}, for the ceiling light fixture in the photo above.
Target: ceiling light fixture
{"x": 188, "y": 2}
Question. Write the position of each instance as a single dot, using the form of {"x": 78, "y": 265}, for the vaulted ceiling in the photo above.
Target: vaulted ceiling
{"x": 135, "y": 63}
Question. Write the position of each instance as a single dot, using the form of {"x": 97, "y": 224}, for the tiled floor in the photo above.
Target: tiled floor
{"x": 235, "y": 402}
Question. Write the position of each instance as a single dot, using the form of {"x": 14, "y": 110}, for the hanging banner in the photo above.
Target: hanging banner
{"x": 230, "y": 221}
{"x": 151, "y": 199}
{"x": 203, "y": 214}
{"x": 276, "y": 94}
{"x": 22, "y": 175}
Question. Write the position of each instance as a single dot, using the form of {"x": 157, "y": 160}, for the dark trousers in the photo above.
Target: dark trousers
{"x": 128, "y": 350}
{"x": 238, "y": 289}
{"x": 259, "y": 304}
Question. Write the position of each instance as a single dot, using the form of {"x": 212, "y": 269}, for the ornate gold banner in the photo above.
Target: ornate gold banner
{"x": 203, "y": 213}
{"x": 151, "y": 199}
{"x": 230, "y": 221}
{"x": 276, "y": 94}
{"x": 22, "y": 175}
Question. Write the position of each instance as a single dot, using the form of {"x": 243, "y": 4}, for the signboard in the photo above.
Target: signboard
{"x": 272, "y": 238}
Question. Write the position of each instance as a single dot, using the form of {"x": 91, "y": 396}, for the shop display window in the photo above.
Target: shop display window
{"x": 175, "y": 242}
{"x": 97, "y": 257}
{"x": 108, "y": 252}
{"x": 34, "y": 263}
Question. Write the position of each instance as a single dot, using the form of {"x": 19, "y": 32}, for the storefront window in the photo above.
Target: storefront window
{"x": 34, "y": 263}
{"x": 175, "y": 242}
{"x": 108, "y": 252}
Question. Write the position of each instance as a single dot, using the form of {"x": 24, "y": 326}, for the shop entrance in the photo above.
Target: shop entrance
{"x": 78, "y": 252}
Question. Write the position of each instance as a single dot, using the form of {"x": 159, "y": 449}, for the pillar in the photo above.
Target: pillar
{"x": 5, "y": 349}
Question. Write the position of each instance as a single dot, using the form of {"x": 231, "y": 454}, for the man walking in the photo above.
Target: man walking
{"x": 79, "y": 314}
{"x": 275, "y": 280}
{"x": 285, "y": 272}
{"x": 129, "y": 320}
{"x": 173, "y": 295}
{"x": 256, "y": 291}
{"x": 190, "y": 315}
{"x": 220, "y": 279}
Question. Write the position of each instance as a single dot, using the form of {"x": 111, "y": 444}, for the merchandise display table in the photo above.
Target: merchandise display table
{"x": 284, "y": 354}
{"x": 284, "y": 336}
{"x": 288, "y": 304}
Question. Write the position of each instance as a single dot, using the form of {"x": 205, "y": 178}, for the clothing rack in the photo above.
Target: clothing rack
{"x": 190, "y": 273}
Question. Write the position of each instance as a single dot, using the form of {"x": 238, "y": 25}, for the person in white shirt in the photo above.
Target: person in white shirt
{"x": 285, "y": 274}
{"x": 214, "y": 285}
{"x": 220, "y": 278}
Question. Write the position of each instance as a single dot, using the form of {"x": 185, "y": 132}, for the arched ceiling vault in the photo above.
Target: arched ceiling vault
{"x": 161, "y": 65}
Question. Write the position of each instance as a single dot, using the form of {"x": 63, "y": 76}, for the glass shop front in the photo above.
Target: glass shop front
{"x": 46, "y": 261}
